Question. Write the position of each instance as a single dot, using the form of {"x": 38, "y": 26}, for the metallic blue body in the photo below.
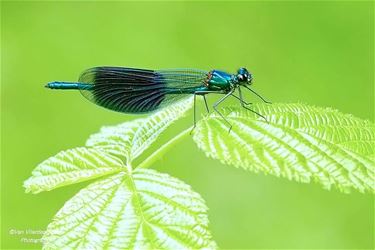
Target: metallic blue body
{"x": 69, "y": 85}
{"x": 219, "y": 80}
{"x": 132, "y": 90}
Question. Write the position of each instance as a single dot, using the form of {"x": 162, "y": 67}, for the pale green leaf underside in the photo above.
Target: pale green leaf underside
{"x": 71, "y": 166}
{"x": 139, "y": 210}
{"x": 300, "y": 142}
{"x": 107, "y": 152}
{"x": 128, "y": 140}
{"x": 129, "y": 209}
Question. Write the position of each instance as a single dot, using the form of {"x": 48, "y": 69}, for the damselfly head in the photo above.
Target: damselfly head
{"x": 244, "y": 76}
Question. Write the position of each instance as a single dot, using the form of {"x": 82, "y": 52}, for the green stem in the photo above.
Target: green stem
{"x": 163, "y": 149}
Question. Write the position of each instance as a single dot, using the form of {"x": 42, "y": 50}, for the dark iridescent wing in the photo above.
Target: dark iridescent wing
{"x": 131, "y": 90}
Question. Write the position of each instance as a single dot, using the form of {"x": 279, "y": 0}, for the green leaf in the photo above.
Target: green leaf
{"x": 71, "y": 166}
{"x": 300, "y": 142}
{"x": 129, "y": 209}
{"x": 107, "y": 152}
{"x": 142, "y": 209}
{"x": 128, "y": 140}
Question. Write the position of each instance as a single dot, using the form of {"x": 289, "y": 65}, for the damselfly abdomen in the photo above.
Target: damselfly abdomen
{"x": 131, "y": 90}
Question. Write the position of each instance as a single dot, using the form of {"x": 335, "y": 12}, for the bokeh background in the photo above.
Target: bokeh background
{"x": 318, "y": 53}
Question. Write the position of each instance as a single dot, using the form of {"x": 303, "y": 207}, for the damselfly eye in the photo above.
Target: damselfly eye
{"x": 243, "y": 76}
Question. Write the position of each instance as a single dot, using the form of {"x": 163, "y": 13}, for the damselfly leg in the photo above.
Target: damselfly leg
{"x": 205, "y": 103}
{"x": 202, "y": 93}
{"x": 256, "y": 94}
{"x": 220, "y": 101}
{"x": 244, "y": 103}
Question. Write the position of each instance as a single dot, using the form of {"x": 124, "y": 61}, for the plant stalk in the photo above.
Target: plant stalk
{"x": 163, "y": 149}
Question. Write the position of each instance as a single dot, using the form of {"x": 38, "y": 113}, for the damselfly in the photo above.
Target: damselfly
{"x": 131, "y": 90}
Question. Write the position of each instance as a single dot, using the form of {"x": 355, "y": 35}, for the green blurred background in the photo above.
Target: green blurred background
{"x": 317, "y": 53}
